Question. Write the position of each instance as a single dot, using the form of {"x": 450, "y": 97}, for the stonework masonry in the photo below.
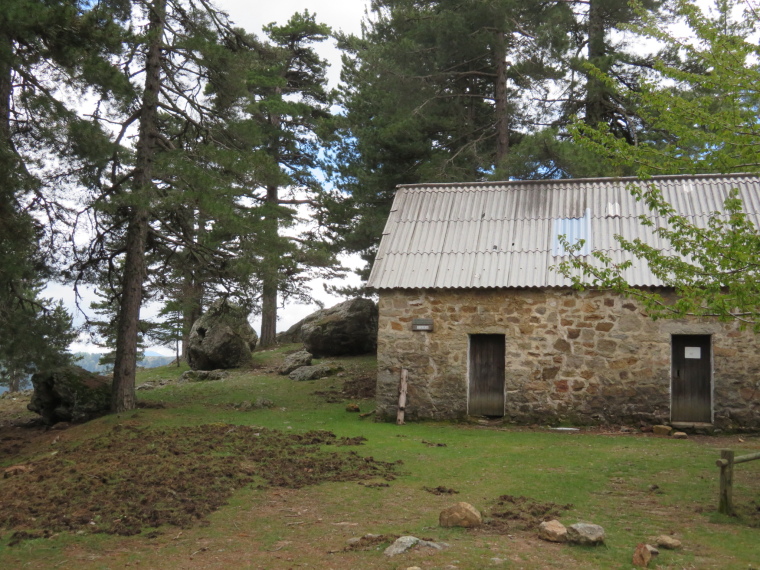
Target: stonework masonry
{"x": 582, "y": 357}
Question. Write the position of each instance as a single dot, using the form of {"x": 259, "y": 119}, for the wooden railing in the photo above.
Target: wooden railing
{"x": 726, "y": 464}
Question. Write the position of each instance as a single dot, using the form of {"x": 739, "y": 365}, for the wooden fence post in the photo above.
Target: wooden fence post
{"x": 402, "y": 397}
{"x": 726, "y": 505}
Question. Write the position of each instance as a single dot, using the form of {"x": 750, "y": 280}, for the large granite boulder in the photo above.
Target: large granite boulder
{"x": 221, "y": 338}
{"x": 293, "y": 334}
{"x": 70, "y": 394}
{"x": 345, "y": 329}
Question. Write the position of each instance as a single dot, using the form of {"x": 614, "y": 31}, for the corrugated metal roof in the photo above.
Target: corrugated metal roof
{"x": 501, "y": 234}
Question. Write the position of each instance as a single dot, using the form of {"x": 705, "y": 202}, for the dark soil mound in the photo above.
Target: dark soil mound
{"x": 522, "y": 513}
{"x": 133, "y": 478}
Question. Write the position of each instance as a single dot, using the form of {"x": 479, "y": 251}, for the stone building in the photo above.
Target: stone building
{"x": 471, "y": 306}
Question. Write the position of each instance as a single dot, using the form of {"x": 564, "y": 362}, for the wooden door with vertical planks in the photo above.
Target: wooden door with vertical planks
{"x": 691, "y": 386}
{"x": 486, "y": 382}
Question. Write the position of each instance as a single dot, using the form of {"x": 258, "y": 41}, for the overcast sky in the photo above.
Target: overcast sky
{"x": 340, "y": 15}
{"x": 346, "y": 16}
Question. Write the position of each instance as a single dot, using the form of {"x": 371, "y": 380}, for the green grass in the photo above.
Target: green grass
{"x": 608, "y": 479}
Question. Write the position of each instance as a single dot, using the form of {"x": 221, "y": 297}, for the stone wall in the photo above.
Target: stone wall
{"x": 588, "y": 357}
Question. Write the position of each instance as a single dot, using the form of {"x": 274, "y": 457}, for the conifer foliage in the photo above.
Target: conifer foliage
{"x": 706, "y": 118}
{"x": 49, "y": 52}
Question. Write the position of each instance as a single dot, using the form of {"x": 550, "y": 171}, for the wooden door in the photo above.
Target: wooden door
{"x": 486, "y": 392}
{"x": 691, "y": 390}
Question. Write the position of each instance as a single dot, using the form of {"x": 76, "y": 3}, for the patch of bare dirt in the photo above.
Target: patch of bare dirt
{"x": 511, "y": 513}
{"x": 371, "y": 541}
{"x": 440, "y": 490}
{"x": 355, "y": 388}
{"x": 131, "y": 478}
{"x": 748, "y": 513}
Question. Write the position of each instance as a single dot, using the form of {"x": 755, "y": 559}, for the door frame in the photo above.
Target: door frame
{"x": 469, "y": 363}
{"x": 711, "y": 394}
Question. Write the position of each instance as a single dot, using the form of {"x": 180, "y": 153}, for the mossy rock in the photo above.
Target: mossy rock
{"x": 221, "y": 338}
{"x": 349, "y": 328}
{"x": 70, "y": 394}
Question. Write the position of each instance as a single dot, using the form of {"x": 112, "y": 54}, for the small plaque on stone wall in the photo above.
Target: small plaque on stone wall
{"x": 422, "y": 325}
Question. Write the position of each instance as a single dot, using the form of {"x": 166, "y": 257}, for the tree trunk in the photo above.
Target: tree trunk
{"x": 595, "y": 91}
{"x": 192, "y": 305}
{"x": 500, "y": 93}
{"x": 269, "y": 280}
{"x": 6, "y": 87}
{"x": 14, "y": 380}
{"x": 125, "y": 364}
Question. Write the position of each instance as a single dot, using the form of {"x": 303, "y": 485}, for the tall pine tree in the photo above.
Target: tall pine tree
{"x": 437, "y": 91}
{"x": 50, "y": 53}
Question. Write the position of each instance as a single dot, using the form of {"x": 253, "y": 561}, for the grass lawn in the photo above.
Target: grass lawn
{"x": 258, "y": 471}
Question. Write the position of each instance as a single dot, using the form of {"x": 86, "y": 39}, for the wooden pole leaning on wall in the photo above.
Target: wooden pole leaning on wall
{"x": 726, "y": 464}
{"x": 402, "y": 397}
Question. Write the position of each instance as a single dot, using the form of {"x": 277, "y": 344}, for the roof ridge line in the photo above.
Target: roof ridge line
{"x": 531, "y": 182}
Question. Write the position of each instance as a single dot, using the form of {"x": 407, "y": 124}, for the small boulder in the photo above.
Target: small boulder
{"x": 401, "y": 545}
{"x": 661, "y": 430}
{"x": 70, "y": 394}
{"x": 680, "y": 435}
{"x": 261, "y": 403}
{"x": 311, "y": 372}
{"x": 345, "y": 329}
{"x": 643, "y": 555}
{"x": 406, "y": 543}
{"x": 552, "y": 531}
{"x": 462, "y": 514}
{"x": 586, "y": 534}
{"x": 221, "y": 338}
{"x": 203, "y": 375}
{"x": 668, "y": 542}
{"x": 295, "y": 360}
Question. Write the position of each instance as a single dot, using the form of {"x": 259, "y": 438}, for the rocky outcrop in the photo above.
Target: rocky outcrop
{"x": 295, "y": 360}
{"x": 345, "y": 329}
{"x": 293, "y": 334}
{"x": 70, "y": 394}
{"x": 203, "y": 375}
{"x": 312, "y": 372}
{"x": 221, "y": 338}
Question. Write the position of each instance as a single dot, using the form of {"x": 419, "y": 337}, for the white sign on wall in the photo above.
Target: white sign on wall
{"x": 693, "y": 352}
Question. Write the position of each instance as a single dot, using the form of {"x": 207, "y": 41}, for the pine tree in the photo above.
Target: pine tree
{"x": 285, "y": 119}
{"x": 437, "y": 91}
{"x": 707, "y": 124}
{"x": 171, "y": 58}
{"x": 49, "y": 52}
